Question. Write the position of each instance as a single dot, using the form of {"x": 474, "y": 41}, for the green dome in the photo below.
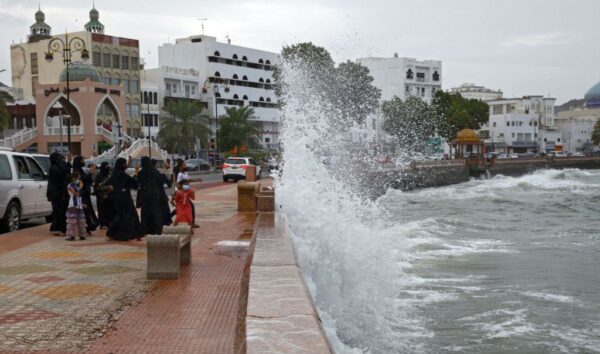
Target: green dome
{"x": 592, "y": 97}
{"x": 81, "y": 71}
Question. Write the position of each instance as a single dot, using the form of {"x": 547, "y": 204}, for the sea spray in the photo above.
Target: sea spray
{"x": 353, "y": 261}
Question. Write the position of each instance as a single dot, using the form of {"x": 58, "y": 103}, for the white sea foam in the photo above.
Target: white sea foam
{"x": 550, "y": 297}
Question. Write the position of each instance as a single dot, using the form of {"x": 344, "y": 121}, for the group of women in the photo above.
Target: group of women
{"x": 116, "y": 208}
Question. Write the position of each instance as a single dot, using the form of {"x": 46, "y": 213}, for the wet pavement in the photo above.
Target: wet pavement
{"x": 63, "y": 296}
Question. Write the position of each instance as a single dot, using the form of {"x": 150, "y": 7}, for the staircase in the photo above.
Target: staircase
{"x": 137, "y": 149}
{"x": 19, "y": 139}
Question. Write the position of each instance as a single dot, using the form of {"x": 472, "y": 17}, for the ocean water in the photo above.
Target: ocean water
{"x": 505, "y": 265}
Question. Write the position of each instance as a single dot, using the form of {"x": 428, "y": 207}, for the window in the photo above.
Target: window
{"x": 245, "y": 98}
{"x": 125, "y": 62}
{"x": 135, "y": 63}
{"x": 116, "y": 81}
{"x": 34, "y": 63}
{"x": 421, "y": 76}
{"x": 245, "y": 78}
{"x": 409, "y": 74}
{"x": 126, "y": 84}
{"x": 508, "y": 124}
{"x": 261, "y": 99}
{"x": 423, "y": 91}
{"x": 244, "y": 58}
{"x": 217, "y": 54}
{"x": 217, "y": 94}
{"x": 236, "y": 97}
{"x": 116, "y": 60}
{"x": 128, "y": 109}
{"x": 155, "y": 98}
{"x": 22, "y": 169}
{"x": 235, "y": 76}
{"x": 268, "y": 81}
{"x": 261, "y": 80}
{"x": 436, "y": 76}
{"x": 497, "y": 109}
{"x": 267, "y": 140}
{"x": 268, "y": 99}
{"x": 5, "y": 172}
{"x": 145, "y": 100}
{"x": 268, "y": 62}
{"x": 513, "y": 135}
{"x": 235, "y": 56}
{"x": 36, "y": 170}
{"x": 133, "y": 84}
{"x": 106, "y": 60}
{"x": 535, "y": 124}
{"x": 96, "y": 58}
{"x": 407, "y": 89}
{"x": 217, "y": 74}
{"x": 494, "y": 124}
{"x": 558, "y": 140}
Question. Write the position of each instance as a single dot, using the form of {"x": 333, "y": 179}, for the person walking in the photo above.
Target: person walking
{"x": 56, "y": 193}
{"x": 150, "y": 203}
{"x": 75, "y": 215}
{"x": 125, "y": 224}
{"x": 164, "y": 199}
{"x": 183, "y": 204}
{"x": 104, "y": 196}
{"x": 91, "y": 219}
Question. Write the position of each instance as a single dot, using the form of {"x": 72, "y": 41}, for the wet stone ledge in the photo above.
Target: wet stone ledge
{"x": 281, "y": 317}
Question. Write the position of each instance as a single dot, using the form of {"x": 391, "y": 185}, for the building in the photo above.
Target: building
{"x": 47, "y": 123}
{"x": 576, "y": 125}
{"x": 150, "y": 109}
{"x": 474, "y": 92}
{"x": 521, "y": 125}
{"x": 228, "y": 76}
{"x": 116, "y": 58}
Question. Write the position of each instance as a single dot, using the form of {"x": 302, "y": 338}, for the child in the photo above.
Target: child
{"x": 183, "y": 204}
{"x": 75, "y": 215}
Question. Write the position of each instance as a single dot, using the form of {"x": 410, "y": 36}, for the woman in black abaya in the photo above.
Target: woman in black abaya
{"x": 91, "y": 220}
{"x": 104, "y": 197}
{"x": 57, "y": 193}
{"x": 125, "y": 224}
{"x": 151, "y": 213}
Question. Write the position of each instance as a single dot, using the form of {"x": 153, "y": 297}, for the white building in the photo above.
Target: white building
{"x": 576, "y": 125}
{"x": 150, "y": 109}
{"x": 228, "y": 76}
{"x": 472, "y": 91}
{"x": 520, "y": 125}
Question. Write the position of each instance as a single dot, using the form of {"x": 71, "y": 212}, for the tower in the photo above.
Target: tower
{"x": 39, "y": 30}
{"x": 94, "y": 26}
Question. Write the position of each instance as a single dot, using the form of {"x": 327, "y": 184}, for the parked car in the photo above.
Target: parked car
{"x": 578, "y": 154}
{"x": 43, "y": 160}
{"x": 160, "y": 165}
{"x": 197, "y": 165}
{"x": 235, "y": 168}
{"x": 23, "y": 185}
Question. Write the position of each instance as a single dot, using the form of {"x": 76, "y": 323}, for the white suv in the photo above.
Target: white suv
{"x": 23, "y": 185}
{"x": 235, "y": 168}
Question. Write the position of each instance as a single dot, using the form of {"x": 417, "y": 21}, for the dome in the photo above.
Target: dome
{"x": 81, "y": 71}
{"x": 467, "y": 136}
{"x": 592, "y": 97}
{"x": 40, "y": 16}
{"x": 94, "y": 15}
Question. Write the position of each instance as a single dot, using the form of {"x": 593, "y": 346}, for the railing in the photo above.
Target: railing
{"x": 141, "y": 144}
{"x": 100, "y": 130}
{"x": 75, "y": 130}
{"x": 19, "y": 138}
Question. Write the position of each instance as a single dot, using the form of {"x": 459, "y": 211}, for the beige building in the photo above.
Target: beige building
{"x": 474, "y": 92}
{"x": 117, "y": 59}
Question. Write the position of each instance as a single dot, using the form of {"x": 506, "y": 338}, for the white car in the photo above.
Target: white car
{"x": 235, "y": 168}
{"x": 23, "y": 185}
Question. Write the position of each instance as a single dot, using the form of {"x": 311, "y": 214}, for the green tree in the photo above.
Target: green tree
{"x": 596, "y": 133}
{"x": 182, "y": 123}
{"x": 4, "y": 97}
{"x": 454, "y": 113}
{"x": 237, "y": 129}
{"x": 412, "y": 122}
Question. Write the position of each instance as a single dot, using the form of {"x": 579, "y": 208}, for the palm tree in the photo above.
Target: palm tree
{"x": 237, "y": 129}
{"x": 4, "y": 97}
{"x": 182, "y": 124}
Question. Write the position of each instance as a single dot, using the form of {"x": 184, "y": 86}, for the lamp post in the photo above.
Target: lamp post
{"x": 67, "y": 47}
{"x": 145, "y": 96}
{"x": 217, "y": 82}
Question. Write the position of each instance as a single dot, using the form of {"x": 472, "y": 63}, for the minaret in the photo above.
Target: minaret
{"x": 39, "y": 30}
{"x": 94, "y": 26}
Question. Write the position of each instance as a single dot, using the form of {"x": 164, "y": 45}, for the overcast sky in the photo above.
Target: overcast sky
{"x": 521, "y": 47}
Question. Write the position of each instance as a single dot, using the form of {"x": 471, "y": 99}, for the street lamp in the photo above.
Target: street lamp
{"x": 215, "y": 87}
{"x": 67, "y": 47}
{"x": 145, "y": 96}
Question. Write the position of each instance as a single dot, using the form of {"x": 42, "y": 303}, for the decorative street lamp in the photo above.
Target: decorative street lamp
{"x": 67, "y": 47}
{"x": 145, "y": 96}
{"x": 216, "y": 84}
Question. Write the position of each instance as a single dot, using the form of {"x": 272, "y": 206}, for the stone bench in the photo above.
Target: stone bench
{"x": 167, "y": 252}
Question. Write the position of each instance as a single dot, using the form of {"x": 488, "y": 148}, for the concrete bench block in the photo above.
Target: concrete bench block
{"x": 265, "y": 203}
{"x": 166, "y": 254}
{"x": 233, "y": 248}
{"x": 177, "y": 230}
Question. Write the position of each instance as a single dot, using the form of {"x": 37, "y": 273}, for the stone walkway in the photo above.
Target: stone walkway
{"x": 60, "y": 296}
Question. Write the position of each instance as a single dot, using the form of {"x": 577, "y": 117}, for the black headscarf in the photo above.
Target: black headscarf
{"x": 146, "y": 162}
{"x": 104, "y": 168}
{"x": 120, "y": 164}
{"x": 56, "y": 158}
{"x": 78, "y": 164}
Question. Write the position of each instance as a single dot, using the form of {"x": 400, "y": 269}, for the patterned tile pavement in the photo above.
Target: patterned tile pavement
{"x": 61, "y": 297}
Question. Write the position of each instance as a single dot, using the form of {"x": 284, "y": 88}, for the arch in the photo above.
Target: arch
{"x": 236, "y": 97}
{"x": 245, "y": 98}
{"x": 261, "y": 80}
{"x": 234, "y": 56}
{"x": 268, "y": 99}
{"x": 235, "y": 76}
{"x": 261, "y": 99}
{"x": 70, "y": 108}
{"x": 268, "y": 81}
{"x": 409, "y": 74}
{"x": 146, "y": 99}
{"x": 217, "y": 54}
{"x": 268, "y": 62}
{"x": 218, "y": 94}
{"x": 260, "y": 61}
{"x": 217, "y": 74}
{"x": 436, "y": 76}
{"x": 245, "y": 77}
{"x": 125, "y": 52}
{"x": 108, "y": 102}
{"x": 244, "y": 58}
{"x": 116, "y": 51}
{"x": 116, "y": 79}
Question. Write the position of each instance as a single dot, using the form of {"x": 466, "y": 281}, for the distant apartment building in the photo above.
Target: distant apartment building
{"x": 150, "y": 108}
{"x": 472, "y": 91}
{"x": 116, "y": 58}
{"x": 224, "y": 75}
{"x": 521, "y": 125}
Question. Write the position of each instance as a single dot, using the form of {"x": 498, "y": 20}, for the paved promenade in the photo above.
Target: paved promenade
{"x": 92, "y": 295}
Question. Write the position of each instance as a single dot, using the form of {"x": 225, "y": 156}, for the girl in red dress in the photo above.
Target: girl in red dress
{"x": 183, "y": 204}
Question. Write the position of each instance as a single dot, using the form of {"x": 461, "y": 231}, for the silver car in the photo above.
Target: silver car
{"x": 23, "y": 185}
